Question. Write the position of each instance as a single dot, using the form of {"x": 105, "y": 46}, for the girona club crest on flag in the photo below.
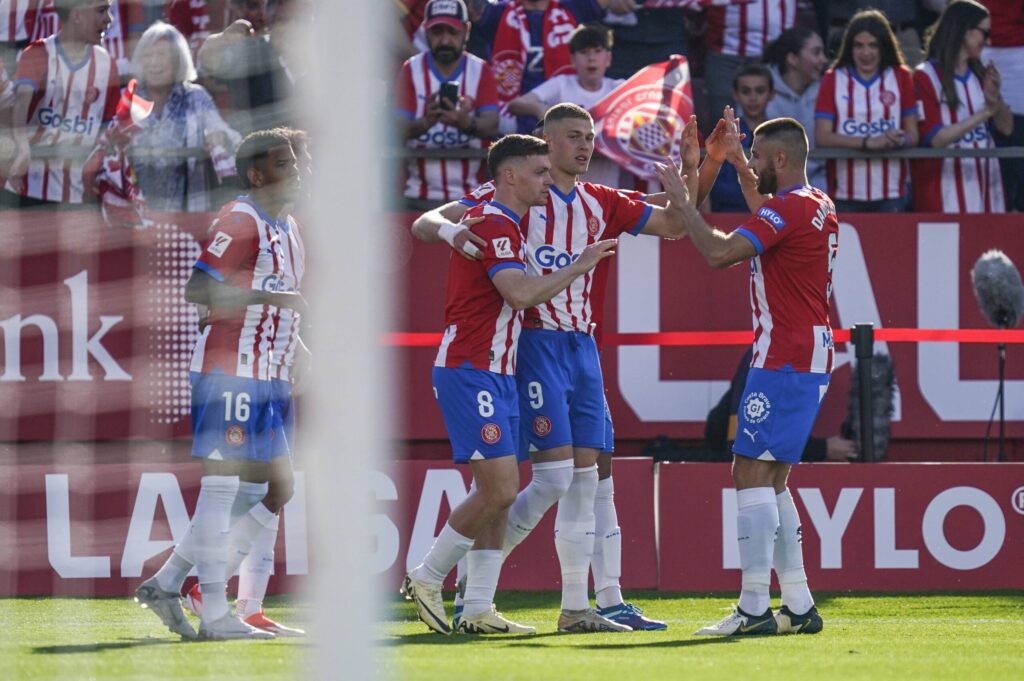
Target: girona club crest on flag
{"x": 638, "y": 124}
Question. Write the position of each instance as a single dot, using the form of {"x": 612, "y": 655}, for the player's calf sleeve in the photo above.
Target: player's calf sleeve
{"x": 574, "y": 537}
{"x": 448, "y": 548}
{"x": 210, "y": 527}
{"x": 607, "y": 561}
{"x": 483, "y": 568}
{"x": 256, "y": 517}
{"x": 258, "y": 565}
{"x": 789, "y": 557}
{"x": 756, "y": 522}
{"x": 551, "y": 480}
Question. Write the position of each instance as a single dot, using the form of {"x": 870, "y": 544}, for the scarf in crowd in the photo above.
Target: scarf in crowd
{"x": 513, "y": 38}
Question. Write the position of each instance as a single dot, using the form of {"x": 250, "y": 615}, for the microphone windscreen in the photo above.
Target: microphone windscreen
{"x": 997, "y": 286}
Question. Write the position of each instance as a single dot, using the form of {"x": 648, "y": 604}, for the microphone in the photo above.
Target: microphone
{"x": 998, "y": 288}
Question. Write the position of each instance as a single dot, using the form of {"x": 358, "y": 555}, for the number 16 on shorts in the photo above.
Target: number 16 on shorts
{"x": 480, "y": 410}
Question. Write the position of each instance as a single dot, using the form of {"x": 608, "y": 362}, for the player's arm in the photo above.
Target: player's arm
{"x": 718, "y": 248}
{"x": 204, "y": 289}
{"x": 689, "y": 157}
{"x": 445, "y": 224}
{"x": 522, "y": 292}
{"x": 667, "y": 222}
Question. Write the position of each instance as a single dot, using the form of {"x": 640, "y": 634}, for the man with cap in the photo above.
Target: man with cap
{"x": 447, "y": 99}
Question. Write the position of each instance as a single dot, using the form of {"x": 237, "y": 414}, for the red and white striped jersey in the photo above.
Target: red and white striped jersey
{"x": 557, "y": 233}
{"x": 18, "y": 18}
{"x": 866, "y": 108}
{"x": 796, "y": 235}
{"x": 481, "y": 329}
{"x": 248, "y": 250}
{"x": 744, "y": 27}
{"x": 954, "y": 185}
{"x": 282, "y": 357}
{"x": 70, "y": 106}
{"x": 115, "y": 38}
{"x": 444, "y": 179}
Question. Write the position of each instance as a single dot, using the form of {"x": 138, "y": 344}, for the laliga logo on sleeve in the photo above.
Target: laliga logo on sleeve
{"x": 219, "y": 243}
{"x": 757, "y": 407}
{"x": 502, "y": 247}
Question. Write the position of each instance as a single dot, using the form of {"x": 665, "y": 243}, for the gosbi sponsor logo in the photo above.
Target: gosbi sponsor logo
{"x": 272, "y": 282}
{"x": 978, "y": 134}
{"x": 541, "y": 426}
{"x": 234, "y": 436}
{"x": 857, "y": 128}
{"x": 444, "y": 138}
{"x": 490, "y": 433}
{"x": 49, "y": 118}
{"x": 550, "y": 257}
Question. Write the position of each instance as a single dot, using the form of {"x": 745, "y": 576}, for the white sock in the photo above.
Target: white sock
{"x": 172, "y": 574}
{"x": 574, "y": 537}
{"x": 756, "y": 525}
{"x": 210, "y": 527}
{"x": 448, "y": 548}
{"x": 789, "y": 557}
{"x": 460, "y": 571}
{"x": 483, "y": 568}
{"x": 607, "y": 562}
{"x": 243, "y": 525}
{"x": 550, "y": 482}
{"x": 256, "y": 518}
{"x": 258, "y": 565}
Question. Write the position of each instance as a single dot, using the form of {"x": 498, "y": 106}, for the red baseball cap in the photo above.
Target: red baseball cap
{"x": 451, "y": 12}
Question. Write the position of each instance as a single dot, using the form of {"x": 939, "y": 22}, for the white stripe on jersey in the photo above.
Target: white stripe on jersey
{"x": 750, "y": 26}
{"x": 69, "y": 114}
{"x": 442, "y": 179}
{"x": 978, "y": 180}
{"x": 287, "y": 337}
{"x": 12, "y": 19}
{"x": 821, "y": 357}
{"x": 505, "y": 340}
{"x": 862, "y": 112}
{"x": 450, "y": 332}
{"x": 761, "y": 314}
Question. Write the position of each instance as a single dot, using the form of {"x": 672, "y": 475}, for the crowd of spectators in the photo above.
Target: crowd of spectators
{"x": 934, "y": 73}
{"x": 213, "y": 70}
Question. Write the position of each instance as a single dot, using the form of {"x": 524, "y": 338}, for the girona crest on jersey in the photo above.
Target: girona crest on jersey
{"x": 234, "y": 436}
{"x": 541, "y": 426}
{"x": 490, "y": 433}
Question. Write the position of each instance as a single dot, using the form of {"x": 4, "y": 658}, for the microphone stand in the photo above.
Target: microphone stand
{"x": 1001, "y": 401}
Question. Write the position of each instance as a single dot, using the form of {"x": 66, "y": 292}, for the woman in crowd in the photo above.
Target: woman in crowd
{"x": 184, "y": 117}
{"x": 797, "y": 59}
{"x": 961, "y": 107}
{"x": 867, "y": 102}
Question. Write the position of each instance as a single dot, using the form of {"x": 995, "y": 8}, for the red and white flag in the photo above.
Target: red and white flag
{"x": 638, "y": 123}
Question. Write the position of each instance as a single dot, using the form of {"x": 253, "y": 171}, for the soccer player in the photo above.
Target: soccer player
{"x": 475, "y": 387}
{"x": 246, "y": 275}
{"x": 254, "y": 536}
{"x": 564, "y": 419}
{"x": 791, "y": 242}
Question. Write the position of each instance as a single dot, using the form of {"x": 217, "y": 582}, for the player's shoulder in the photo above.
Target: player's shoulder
{"x": 602, "y": 191}
{"x": 482, "y": 193}
{"x": 238, "y": 214}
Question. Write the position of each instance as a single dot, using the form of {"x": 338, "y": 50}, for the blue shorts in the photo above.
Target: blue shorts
{"x": 561, "y": 391}
{"x": 480, "y": 410}
{"x": 609, "y": 431}
{"x": 234, "y": 418}
{"x": 776, "y": 414}
{"x": 284, "y": 404}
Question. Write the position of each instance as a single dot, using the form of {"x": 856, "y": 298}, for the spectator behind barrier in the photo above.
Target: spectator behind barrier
{"x": 591, "y": 50}
{"x": 184, "y": 117}
{"x": 645, "y": 36}
{"x": 523, "y": 59}
{"x": 246, "y": 62}
{"x": 867, "y": 102}
{"x": 752, "y": 89}
{"x": 80, "y": 99}
{"x": 903, "y": 17}
{"x": 446, "y": 100}
{"x": 954, "y": 85}
{"x": 797, "y": 59}
{"x": 738, "y": 33}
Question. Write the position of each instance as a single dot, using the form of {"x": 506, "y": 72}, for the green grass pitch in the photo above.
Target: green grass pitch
{"x": 923, "y": 636}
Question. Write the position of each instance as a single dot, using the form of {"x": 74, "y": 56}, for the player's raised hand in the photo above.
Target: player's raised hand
{"x": 689, "y": 145}
{"x": 673, "y": 182}
{"x": 593, "y": 254}
{"x": 733, "y": 139}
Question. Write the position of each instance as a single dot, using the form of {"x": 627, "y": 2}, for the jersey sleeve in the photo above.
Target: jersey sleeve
{"x": 31, "y": 69}
{"x": 928, "y": 113}
{"x": 233, "y": 241}
{"x": 908, "y": 99}
{"x": 484, "y": 192}
{"x": 405, "y": 98}
{"x": 622, "y": 212}
{"x": 825, "y": 105}
{"x": 503, "y": 249}
{"x": 487, "y": 91}
{"x": 768, "y": 226}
